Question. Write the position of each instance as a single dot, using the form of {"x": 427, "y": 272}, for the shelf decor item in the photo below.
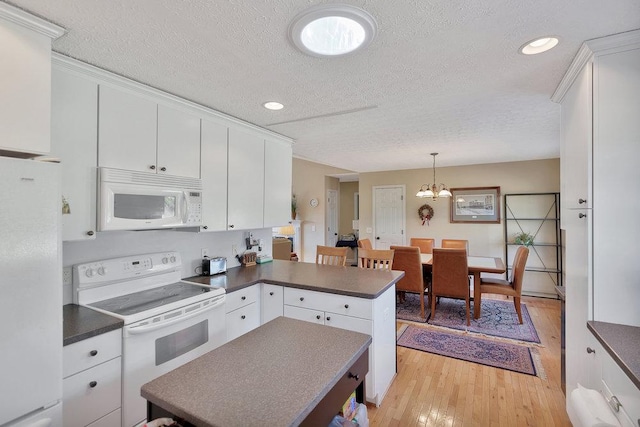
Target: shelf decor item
{"x": 475, "y": 205}
{"x": 294, "y": 206}
{"x": 524, "y": 239}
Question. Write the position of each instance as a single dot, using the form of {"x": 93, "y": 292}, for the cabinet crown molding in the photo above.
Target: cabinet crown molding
{"x": 587, "y": 51}
{"x": 27, "y": 20}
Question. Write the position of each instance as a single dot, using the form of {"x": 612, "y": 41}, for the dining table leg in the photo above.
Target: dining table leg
{"x": 476, "y": 295}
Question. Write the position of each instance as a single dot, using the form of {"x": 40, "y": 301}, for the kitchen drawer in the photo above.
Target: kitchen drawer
{"x": 242, "y": 297}
{"x": 306, "y": 314}
{"x": 242, "y": 320}
{"x": 333, "y": 303}
{"x": 615, "y": 382}
{"x": 113, "y": 419}
{"x": 84, "y": 354}
{"x": 349, "y": 323}
{"x": 84, "y": 404}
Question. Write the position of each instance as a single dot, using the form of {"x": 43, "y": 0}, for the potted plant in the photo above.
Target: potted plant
{"x": 523, "y": 238}
{"x": 294, "y": 206}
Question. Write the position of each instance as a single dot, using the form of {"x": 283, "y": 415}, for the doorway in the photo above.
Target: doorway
{"x": 388, "y": 216}
{"x": 332, "y": 218}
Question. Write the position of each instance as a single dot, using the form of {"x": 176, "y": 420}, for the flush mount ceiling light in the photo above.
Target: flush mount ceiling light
{"x": 432, "y": 190}
{"x": 272, "y": 105}
{"x": 332, "y": 30}
{"x": 539, "y": 45}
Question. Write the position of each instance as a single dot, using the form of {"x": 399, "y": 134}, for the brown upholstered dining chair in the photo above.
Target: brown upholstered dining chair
{"x": 450, "y": 277}
{"x": 375, "y": 259}
{"x": 511, "y": 287}
{"x": 407, "y": 259}
{"x": 365, "y": 244}
{"x": 455, "y": 244}
{"x": 425, "y": 245}
{"x": 329, "y": 255}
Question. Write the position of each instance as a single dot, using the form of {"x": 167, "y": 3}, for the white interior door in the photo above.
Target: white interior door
{"x": 332, "y": 218}
{"x": 388, "y": 216}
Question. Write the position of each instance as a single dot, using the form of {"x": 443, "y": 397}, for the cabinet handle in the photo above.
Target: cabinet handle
{"x": 93, "y": 352}
{"x": 318, "y": 317}
{"x": 152, "y": 167}
{"x": 301, "y": 298}
{"x": 271, "y": 293}
{"x": 230, "y": 225}
{"x": 243, "y": 317}
{"x": 582, "y": 201}
{"x": 582, "y": 215}
{"x": 163, "y": 169}
{"x": 205, "y": 227}
{"x": 90, "y": 233}
{"x": 590, "y": 350}
{"x": 346, "y": 306}
{"x": 328, "y": 318}
{"x": 355, "y": 377}
{"x": 92, "y": 384}
{"x": 615, "y": 403}
{"x": 243, "y": 298}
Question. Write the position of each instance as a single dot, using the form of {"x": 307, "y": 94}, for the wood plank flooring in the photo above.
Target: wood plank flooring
{"x": 432, "y": 390}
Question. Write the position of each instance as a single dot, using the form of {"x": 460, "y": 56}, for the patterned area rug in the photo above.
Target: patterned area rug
{"x": 485, "y": 351}
{"x": 498, "y": 317}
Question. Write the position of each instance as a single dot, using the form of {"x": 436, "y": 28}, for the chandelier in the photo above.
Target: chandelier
{"x": 432, "y": 190}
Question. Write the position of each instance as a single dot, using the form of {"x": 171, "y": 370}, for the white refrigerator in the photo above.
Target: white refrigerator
{"x": 30, "y": 294}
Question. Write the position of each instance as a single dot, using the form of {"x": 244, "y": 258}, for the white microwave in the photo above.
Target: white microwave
{"x": 131, "y": 200}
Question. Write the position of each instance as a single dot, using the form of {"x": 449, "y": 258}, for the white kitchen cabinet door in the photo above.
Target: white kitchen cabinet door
{"x": 242, "y": 320}
{"x": 272, "y": 302}
{"x": 213, "y": 172}
{"x": 246, "y": 180}
{"x": 127, "y": 132}
{"x": 277, "y": 183}
{"x": 74, "y": 140}
{"x": 178, "y": 142}
{"x": 306, "y": 314}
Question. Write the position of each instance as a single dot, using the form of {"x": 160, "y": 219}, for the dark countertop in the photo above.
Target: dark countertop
{"x": 272, "y": 376}
{"x": 350, "y": 281}
{"x": 81, "y": 323}
{"x": 621, "y": 342}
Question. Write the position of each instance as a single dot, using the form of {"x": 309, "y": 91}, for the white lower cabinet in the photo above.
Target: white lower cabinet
{"x": 272, "y": 302}
{"x": 92, "y": 381}
{"x": 243, "y": 311}
{"x": 374, "y": 317}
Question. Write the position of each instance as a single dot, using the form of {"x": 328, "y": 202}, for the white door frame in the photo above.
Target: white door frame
{"x": 404, "y": 211}
{"x": 336, "y": 215}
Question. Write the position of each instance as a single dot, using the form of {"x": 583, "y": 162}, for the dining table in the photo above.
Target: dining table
{"x": 476, "y": 265}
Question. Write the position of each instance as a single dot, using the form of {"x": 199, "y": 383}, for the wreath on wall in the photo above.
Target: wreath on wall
{"x": 425, "y": 213}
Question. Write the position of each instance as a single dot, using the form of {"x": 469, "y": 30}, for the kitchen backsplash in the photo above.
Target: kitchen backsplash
{"x": 114, "y": 244}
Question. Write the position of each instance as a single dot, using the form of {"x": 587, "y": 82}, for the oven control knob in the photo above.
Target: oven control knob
{"x": 90, "y": 272}
{"x": 165, "y": 260}
{"x": 172, "y": 259}
{"x": 102, "y": 271}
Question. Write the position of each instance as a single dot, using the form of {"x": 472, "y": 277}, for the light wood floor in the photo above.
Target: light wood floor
{"x": 432, "y": 390}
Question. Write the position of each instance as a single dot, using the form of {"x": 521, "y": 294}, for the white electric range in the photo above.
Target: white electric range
{"x": 167, "y": 322}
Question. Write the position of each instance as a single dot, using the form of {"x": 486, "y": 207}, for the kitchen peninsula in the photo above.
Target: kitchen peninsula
{"x": 349, "y": 298}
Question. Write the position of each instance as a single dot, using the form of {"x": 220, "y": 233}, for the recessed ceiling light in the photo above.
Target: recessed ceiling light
{"x": 332, "y": 30}
{"x": 272, "y": 105}
{"x": 539, "y": 45}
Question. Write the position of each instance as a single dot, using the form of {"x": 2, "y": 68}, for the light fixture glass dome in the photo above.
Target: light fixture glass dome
{"x": 539, "y": 45}
{"x": 332, "y": 30}
{"x": 273, "y": 105}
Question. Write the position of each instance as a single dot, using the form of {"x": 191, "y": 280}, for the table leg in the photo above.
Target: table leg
{"x": 476, "y": 295}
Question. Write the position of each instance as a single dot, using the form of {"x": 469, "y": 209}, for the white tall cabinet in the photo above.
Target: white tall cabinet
{"x": 599, "y": 177}
{"x": 213, "y": 167}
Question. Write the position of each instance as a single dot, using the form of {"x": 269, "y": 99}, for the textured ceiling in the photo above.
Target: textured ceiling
{"x": 441, "y": 75}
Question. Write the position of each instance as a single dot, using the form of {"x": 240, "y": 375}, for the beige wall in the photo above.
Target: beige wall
{"x": 347, "y": 211}
{"x": 484, "y": 239}
{"x": 311, "y": 180}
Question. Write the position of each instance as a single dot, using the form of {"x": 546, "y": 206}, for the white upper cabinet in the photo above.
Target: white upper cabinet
{"x": 74, "y": 139}
{"x": 246, "y": 180}
{"x": 277, "y": 183}
{"x": 25, "y": 81}
{"x": 178, "y": 142}
{"x": 213, "y": 170}
{"x": 127, "y": 132}
{"x": 136, "y": 133}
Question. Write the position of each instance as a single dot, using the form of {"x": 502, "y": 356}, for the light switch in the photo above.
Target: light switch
{"x": 313, "y": 228}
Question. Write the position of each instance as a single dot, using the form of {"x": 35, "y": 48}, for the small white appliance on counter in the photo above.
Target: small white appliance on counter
{"x": 31, "y": 287}
{"x": 167, "y": 322}
{"x": 133, "y": 200}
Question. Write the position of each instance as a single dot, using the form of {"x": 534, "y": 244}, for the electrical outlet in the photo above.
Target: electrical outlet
{"x": 234, "y": 249}
{"x": 67, "y": 276}
{"x": 205, "y": 252}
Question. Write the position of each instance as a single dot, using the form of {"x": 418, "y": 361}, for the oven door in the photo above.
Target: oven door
{"x": 155, "y": 346}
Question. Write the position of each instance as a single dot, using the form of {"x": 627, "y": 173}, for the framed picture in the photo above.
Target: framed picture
{"x": 475, "y": 204}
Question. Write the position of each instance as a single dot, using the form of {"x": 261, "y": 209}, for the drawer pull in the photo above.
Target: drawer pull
{"x": 355, "y": 377}
{"x": 301, "y": 298}
{"x": 243, "y": 317}
{"x": 581, "y": 215}
{"x": 92, "y": 384}
{"x": 346, "y": 306}
{"x": 243, "y": 298}
{"x": 590, "y": 350}
{"x": 328, "y": 318}
{"x": 163, "y": 169}
{"x": 615, "y": 403}
{"x": 93, "y": 352}
{"x": 271, "y": 293}
{"x": 582, "y": 201}
{"x": 318, "y": 317}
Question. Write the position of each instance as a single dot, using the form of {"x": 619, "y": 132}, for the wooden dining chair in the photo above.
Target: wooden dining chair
{"x": 329, "y": 255}
{"x": 511, "y": 287}
{"x": 365, "y": 244}
{"x": 455, "y": 244}
{"x": 407, "y": 259}
{"x": 450, "y": 277}
{"x": 425, "y": 245}
{"x": 375, "y": 259}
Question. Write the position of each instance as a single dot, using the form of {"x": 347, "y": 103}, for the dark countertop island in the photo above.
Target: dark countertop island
{"x": 350, "y": 281}
{"x": 621, "y": 342}
{"x": 274, "y": 375}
